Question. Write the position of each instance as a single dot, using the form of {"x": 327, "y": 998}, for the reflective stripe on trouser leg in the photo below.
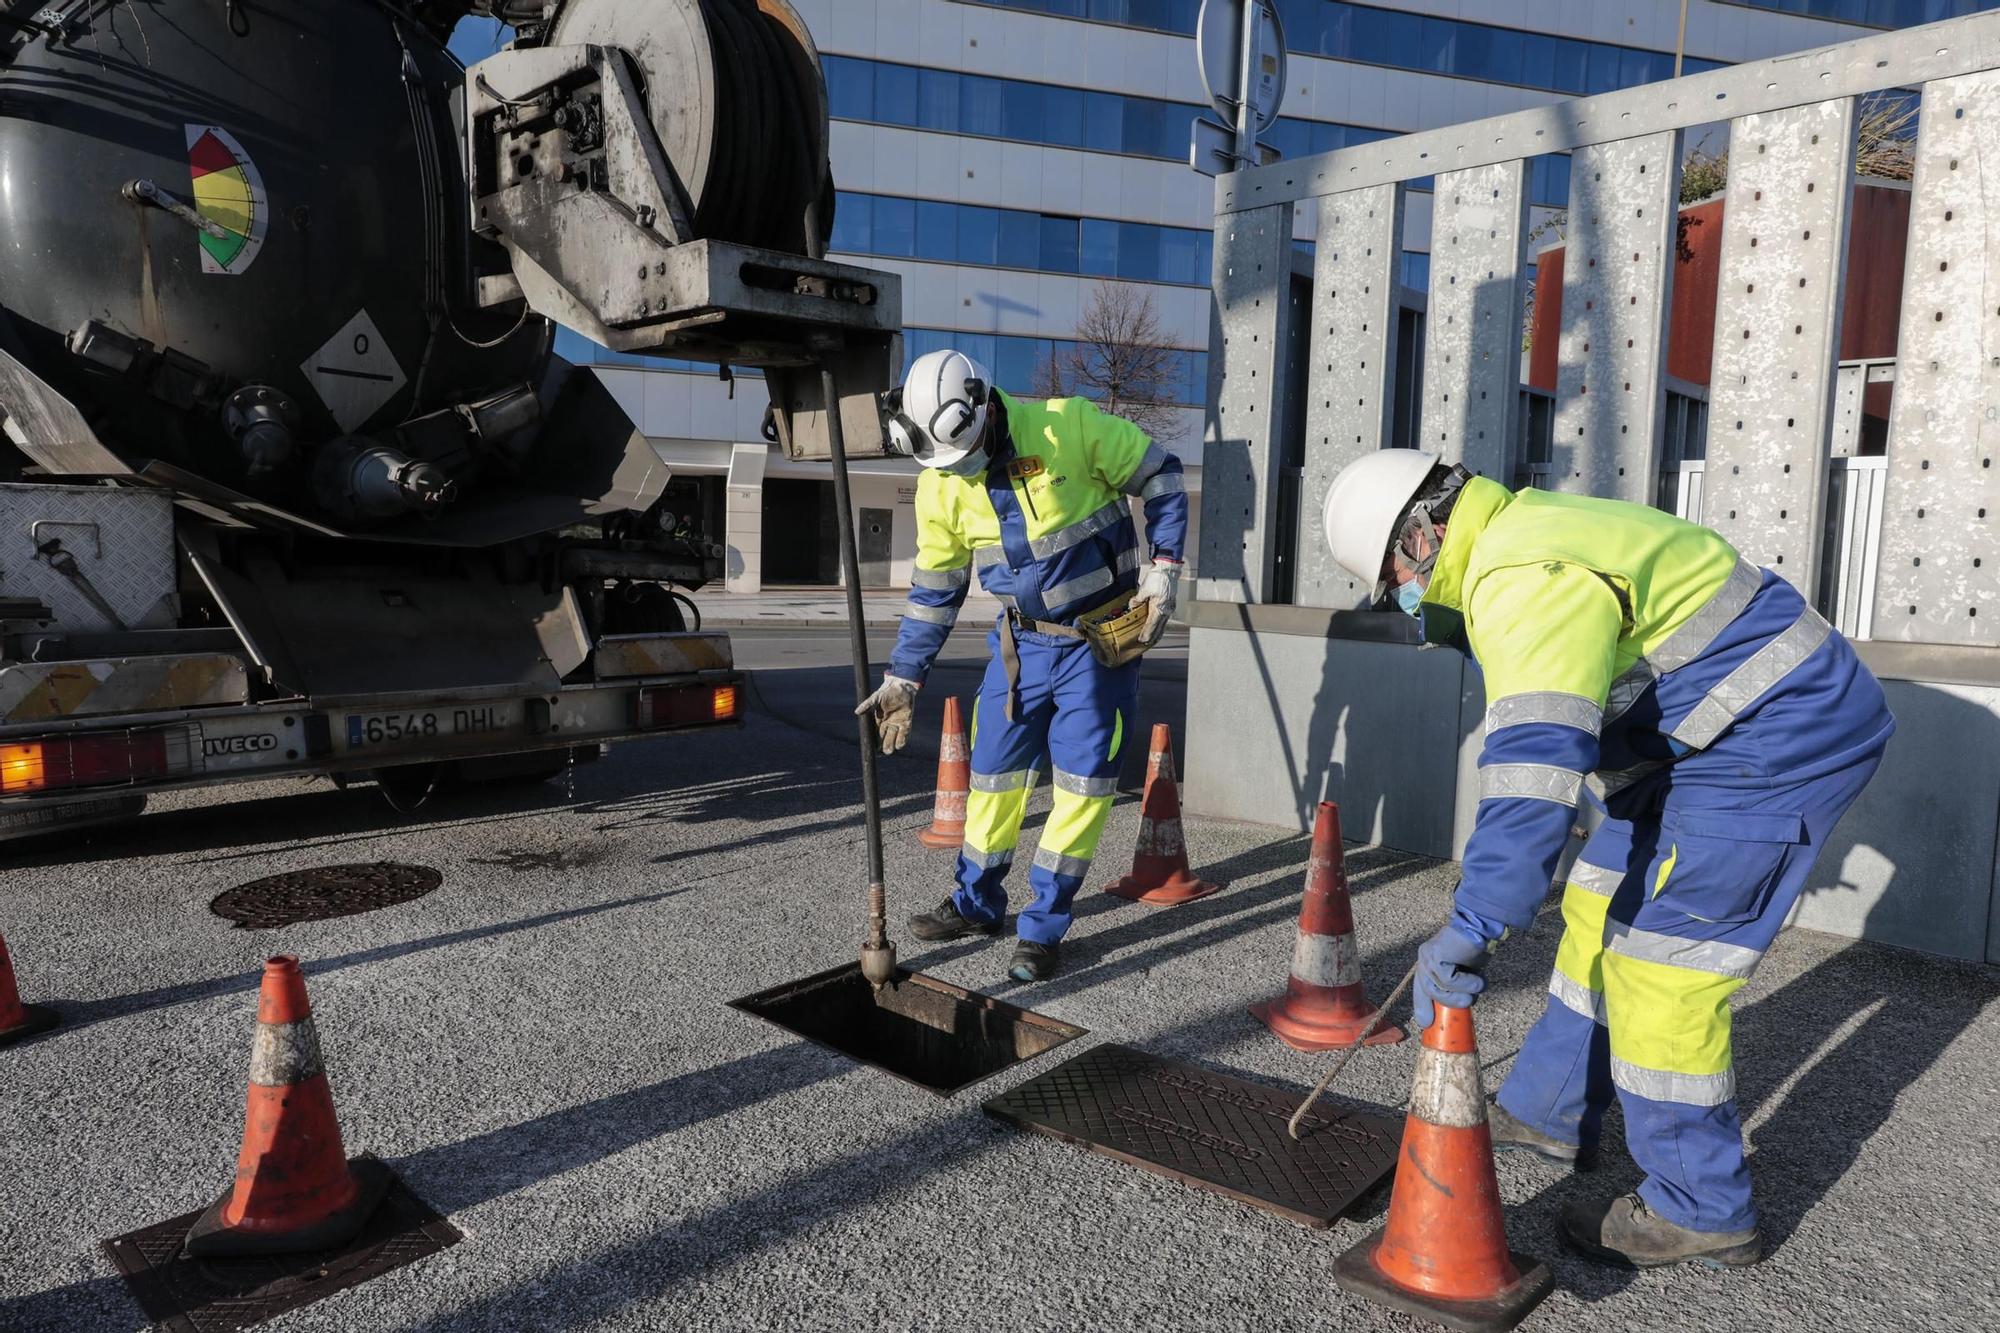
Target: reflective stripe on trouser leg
{"x": 1069, "y": 841}
{"x": 1004, "y": 753}
{"x": 1561, "y": 1082}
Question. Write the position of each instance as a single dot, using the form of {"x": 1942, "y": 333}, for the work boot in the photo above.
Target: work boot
{"x": 1625, "y": 1231}
{"x": 1032, "y": 961}
{"x": 1512, "y": 1135}
{"x": 943, "y": 922}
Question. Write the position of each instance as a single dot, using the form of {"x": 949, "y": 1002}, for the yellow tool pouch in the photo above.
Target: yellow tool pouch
{"x": 1115, "y": 631}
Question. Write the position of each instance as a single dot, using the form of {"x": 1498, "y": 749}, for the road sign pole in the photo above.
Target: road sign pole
{"x": 1246, "y": 110}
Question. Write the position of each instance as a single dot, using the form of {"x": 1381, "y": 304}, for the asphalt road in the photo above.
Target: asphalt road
{"x": 542, "y": 1050}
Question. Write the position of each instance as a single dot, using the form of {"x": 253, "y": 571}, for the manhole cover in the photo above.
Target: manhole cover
{"x": 936, "y": 1035}
{"x": 219, "y": 1295}
{"x": 321, "y": 893}
{"x": 1210, "y": 1130}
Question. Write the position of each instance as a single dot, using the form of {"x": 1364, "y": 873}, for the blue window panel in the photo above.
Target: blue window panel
{"x": 1099, "y": 257}
{"x": 1416, "y": 270}
{"x": 1602, "y": 70}
{"x": 895, "y": 227}
{"x": 1336, "y": 37}
{"x": 1061, "y": 116}
{"x": 850, "y": 88}
{"x": 1572, "y": 66}
{"x": 1635, "y": 68}
{"x": 1538, "y": 60}
{"x": 895, "y": 94}
{"x": 1303, "y": 21}
{"x": 1293, "y": 138}
{"x": 1014, "y": 364}
{"x": 1104, "y": 122}
{"x": 1204, "y": 255}
{"x": 937, "y": 231}
{"x": 1473, "y": 54}
{"x": 1326, "y": 137}
{"x": 853, "y": 229}
{"x": 1436, "y": 45}
{"x": 978, "y": 235}
{"x": 1146, "y": 128}
{"x": 981, "y": 347}
{"x": 938, "y": 101}
{"x": 1020, "y": 239}
{"x": 1406, "y": 40}
{"x": 982, "y": 106}
{"x": 1138, "y": 251}
{"x": 1022, "y": 105}
{"x": 1373, "y": 40}
{"x": 1060, "y": 245}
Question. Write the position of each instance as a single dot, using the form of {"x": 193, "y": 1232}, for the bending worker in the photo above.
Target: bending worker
{"x": 1728, "y": 727}
{"x": 1037, "y": 496}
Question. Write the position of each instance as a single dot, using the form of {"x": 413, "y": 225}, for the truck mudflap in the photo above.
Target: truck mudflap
{"x": 85, "y": 758}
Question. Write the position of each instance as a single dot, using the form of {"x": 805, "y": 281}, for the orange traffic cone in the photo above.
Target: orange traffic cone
{"x": 1160, "y": 873}
{"x": 19, "y": 1020}
{"x": 954, "y": 782}
{"x": 1443, "y": 1253}
{"x": 295, "y": 1189}
{"x": 1324, "y": 1005}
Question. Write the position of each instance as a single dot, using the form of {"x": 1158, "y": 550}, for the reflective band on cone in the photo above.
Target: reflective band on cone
{"x": 17, "y": 1020}
{"x": 1160, "y": 873}
{"x": 1443, "y": 1252}
{"x": 954, "y": 782}
{"x": 1324, "y": 1006}
{"x": 295, "y": 1189}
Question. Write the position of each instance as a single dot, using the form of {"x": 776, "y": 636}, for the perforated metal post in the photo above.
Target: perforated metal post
{"x": 1938, "y": 578}
{"x": 1777, "y": 330}
{"x": 1350, "y": 388}
{"x": 1249, "y": 339}
{"x": 1617, "y": 276}
{"x": 1472, "y": 330}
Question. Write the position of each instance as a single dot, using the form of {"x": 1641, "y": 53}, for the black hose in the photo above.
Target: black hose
{"x": 857, "y": 630}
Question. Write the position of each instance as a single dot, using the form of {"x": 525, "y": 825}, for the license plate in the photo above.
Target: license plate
{"x": 420, "y": 726}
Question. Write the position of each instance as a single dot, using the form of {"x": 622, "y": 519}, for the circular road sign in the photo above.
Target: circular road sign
{"x": 1219, "y": 49}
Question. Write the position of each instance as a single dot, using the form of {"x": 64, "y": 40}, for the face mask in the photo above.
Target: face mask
{"x": 1408, "y": 595}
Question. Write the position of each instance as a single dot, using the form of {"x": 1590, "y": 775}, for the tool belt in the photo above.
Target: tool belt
{"x": 1115, "y": 632}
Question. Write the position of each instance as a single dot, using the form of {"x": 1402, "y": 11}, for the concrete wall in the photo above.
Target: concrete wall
{"x": 1392, "y": 733}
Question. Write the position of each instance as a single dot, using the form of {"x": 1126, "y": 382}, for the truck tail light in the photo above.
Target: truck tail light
{"x": 57, "y": 763}
{"x": 684, "y": 705}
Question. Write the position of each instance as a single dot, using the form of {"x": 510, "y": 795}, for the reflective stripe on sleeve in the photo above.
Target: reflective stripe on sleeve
{"x": 1150, "y": 463}
{"x": 1714, "y": 956}
{"x": 985, "y": 860}
{"x": 1662, "y": 1086}
{"x": 1083, "y": 585}
{"x": 931, "y": 615}
{"x": 1689, "y": 640}
{"x": 1742, "y": 687}
{"x": 1541, "y": 782}
{"x": 1167, "y": 483}
{"x": 941, "y": 580}
{"x": 1564, "y": 710}
{"x": 990, "y": 555}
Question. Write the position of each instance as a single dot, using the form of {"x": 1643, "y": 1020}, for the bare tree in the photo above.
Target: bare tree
{"x": 1117, "y": 360}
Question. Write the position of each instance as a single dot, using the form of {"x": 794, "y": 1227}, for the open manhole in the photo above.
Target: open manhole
{"x": 322, "y": 893}
{"x": 936, "y": 1035}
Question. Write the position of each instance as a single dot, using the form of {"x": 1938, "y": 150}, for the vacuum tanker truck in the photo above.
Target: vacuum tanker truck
{"x": 291, "y": 480}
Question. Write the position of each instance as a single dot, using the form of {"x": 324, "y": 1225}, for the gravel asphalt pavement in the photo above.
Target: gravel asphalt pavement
{"x": 542, "y": 1050}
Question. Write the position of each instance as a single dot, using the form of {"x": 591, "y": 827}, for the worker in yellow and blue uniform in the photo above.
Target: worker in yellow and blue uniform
{"x": 1727, "y": 727}
{"x": 1036, "y": 496}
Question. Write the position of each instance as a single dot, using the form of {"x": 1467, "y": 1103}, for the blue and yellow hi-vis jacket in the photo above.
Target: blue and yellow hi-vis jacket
{"x": 1047, "y": 523}
{"x": 1616, "y": 639}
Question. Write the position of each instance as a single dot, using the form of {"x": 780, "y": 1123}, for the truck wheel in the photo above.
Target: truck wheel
{"x": 642, "y": 608}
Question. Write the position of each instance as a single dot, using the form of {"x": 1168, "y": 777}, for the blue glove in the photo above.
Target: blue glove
{"x": 1449, "y": 968}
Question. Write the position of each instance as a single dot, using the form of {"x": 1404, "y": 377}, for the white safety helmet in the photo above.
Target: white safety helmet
{"x": 938, "y": 417}
{"x": 1362, "y": 507}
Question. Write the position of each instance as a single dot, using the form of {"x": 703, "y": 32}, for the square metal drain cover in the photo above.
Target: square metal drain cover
{"x": 218, "y": 1295}
{"x": 1211, "y": 1131}
{"x": 935, "y": 1035}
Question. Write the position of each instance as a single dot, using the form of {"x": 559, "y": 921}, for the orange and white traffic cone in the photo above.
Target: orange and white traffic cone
{"x": 1324, "y": 1006}
{"x": 1160, "y": 873}
{"x": 17, "y": 1020}
{"x": 1443, "y": 1253}
{"x": 295, "y": 1189}
{"x": 954, "y": 782}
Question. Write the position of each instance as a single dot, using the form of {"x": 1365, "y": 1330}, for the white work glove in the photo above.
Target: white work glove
{"x": 1159, "y": 588}
{"x": 895, "y": 707}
